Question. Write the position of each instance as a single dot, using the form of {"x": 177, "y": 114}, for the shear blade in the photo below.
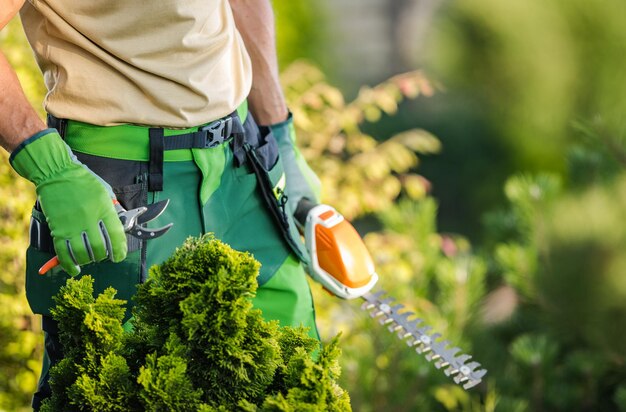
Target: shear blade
{"x": 144, "y": 233}
{"x": 152, "y": 211}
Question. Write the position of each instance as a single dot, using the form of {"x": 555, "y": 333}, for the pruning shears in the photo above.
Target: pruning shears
{"x": 132, "y": 221}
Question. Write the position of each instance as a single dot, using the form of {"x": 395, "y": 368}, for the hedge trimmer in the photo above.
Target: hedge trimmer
{"x": 344, "y": 267}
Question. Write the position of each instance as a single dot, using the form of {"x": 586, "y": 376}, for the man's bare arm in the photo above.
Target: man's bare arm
{"x": 8, "y": 10}
{"x": 255, "y": 21}
{"x": 18, "y": 119}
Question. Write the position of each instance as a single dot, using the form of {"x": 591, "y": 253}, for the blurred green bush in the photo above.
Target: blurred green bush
{"x": 21, "y": 342}
{"x": 299, "y": 31}
{"x": 519, "y": 77}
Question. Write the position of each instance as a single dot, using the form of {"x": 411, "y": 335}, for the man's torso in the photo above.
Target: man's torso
{"x": 169, "y": 63}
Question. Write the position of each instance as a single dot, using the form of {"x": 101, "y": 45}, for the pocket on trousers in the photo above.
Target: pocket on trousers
{"x": 123, "y": 276}
{"x": 132, "y": 196}
{"x": 40, "y": 290}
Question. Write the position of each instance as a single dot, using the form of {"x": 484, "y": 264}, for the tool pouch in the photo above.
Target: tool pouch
{"x": 258, "y": 149}
{"x": 130, "y": 187}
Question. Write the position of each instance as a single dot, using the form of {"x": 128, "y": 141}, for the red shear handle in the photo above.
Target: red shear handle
{"x": 49, "y": 265}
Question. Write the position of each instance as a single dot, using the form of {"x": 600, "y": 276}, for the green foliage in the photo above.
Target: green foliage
{"x": 111, "y": 390}
{"x": 18, "y": 53}
{"x": 519, "y": 231}
{"x": 525, "y": 82}
{"x": 20, "y": 339}
{"x": 597, "y": 153}
{"x": 311, "y": 385}
{"x": 620, "y": 398}
{"x": 92, "y": 374}
{"x": 20, "y": 349}
{"x": 584, "y": 285}
{"x": 20, "y": 334}
{"x": 234, "y": 350}
{"x": 564, "y": 336}
{"x": 454, "y": 398}
{"x": 164, "y": 380}
{"x": 359, "y": 174}
{"x": 533, "y": 351}
{"x": 299, "y": 30}
{"x": 536, "y": 67}
{"x": 196, "y": 344}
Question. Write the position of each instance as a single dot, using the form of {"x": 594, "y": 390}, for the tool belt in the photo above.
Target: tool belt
{"x": 252, "y": 146}
{"x": 146, "y": 143}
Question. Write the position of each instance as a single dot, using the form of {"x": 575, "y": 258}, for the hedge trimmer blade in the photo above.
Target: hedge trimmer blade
{"x": 407, "y": 328}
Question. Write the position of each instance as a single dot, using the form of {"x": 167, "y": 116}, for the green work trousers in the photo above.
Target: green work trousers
{"x": 207, "y": 193}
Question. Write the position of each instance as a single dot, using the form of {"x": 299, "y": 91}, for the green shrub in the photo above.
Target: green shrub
{"x": 196, "y": 344}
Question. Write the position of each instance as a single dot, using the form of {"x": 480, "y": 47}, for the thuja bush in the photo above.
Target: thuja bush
{"x": 196, "y": 344}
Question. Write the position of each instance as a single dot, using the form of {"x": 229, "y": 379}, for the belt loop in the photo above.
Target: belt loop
{"x": 155, "y": 168}
{"x": 239, "y": 137}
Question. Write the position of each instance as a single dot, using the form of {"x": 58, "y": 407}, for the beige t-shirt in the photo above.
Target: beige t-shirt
{"x": 170, "y": 63}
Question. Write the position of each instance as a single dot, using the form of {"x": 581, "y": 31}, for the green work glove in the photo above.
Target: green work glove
{"x": 302, "y": 182}
{"x": 76, "y": 202}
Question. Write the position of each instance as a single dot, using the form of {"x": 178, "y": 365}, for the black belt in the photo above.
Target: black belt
{"x": 206, "y": 137}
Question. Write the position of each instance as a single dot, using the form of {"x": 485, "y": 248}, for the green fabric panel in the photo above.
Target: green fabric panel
{"x": 123, "y": 276}
{"x": 238, "y": 216}
{"x": 211, "y": 164}
{"x": 234, "y": 212}
{"x": 286, "y": 290}
{"x": 127, "y": 142}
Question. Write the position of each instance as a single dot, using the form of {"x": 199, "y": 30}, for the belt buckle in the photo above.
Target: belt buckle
{"x": 217, "y": 132}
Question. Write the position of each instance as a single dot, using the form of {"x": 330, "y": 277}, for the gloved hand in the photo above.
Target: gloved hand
{"x": 302, "y": 182}
{"x": 76, "y": 202}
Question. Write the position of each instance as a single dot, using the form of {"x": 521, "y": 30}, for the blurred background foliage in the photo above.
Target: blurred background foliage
{"x": 21, "y": 341}
{"x": 530, "y": 72}
{"x": 504, "y": 231}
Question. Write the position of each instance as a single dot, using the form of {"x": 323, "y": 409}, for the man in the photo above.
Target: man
{"x": 148, "y": 101}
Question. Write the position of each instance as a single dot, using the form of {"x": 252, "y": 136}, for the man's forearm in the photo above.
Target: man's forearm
{"x": 18, "y": 119}
{"x": 255, "y": 22}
